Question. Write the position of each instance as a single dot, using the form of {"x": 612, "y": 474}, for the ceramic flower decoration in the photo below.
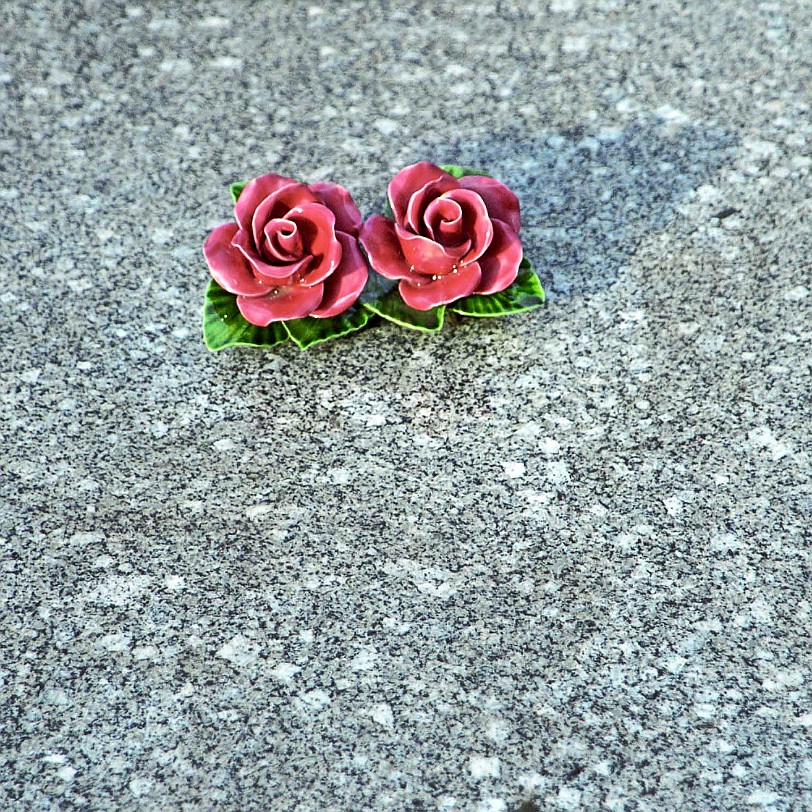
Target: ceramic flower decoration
{"x": 291, "y": 266}
{"x": 451, "y": 239}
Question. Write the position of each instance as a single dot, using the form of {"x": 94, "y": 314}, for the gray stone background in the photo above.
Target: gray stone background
{"x": 557, "y": 561}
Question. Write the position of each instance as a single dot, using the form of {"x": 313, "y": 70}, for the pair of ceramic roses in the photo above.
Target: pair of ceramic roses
{"x": 303, "y": 251}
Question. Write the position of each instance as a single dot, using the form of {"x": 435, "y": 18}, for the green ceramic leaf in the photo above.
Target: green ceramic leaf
{"x": 525, "y": 293}
{"x": 309, "y": 331}
{"x": 381, "y": 296}
{"x": 462, "y": 171}
{"x": 236, "y": 190}
{"x": 224, "y": 325}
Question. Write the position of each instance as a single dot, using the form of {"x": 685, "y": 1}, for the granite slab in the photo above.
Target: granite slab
{"x": 558, "y": 561}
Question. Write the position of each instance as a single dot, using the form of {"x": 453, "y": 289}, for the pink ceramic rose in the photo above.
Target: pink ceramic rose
{"x": 292, "y": 252}
{"x": 451, "y": 237}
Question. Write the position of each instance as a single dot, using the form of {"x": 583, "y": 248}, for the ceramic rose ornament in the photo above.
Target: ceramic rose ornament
{"x": 291, "y": 266}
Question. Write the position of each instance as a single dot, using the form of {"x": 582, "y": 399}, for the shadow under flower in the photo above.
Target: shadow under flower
{"x": 589, "y": 196}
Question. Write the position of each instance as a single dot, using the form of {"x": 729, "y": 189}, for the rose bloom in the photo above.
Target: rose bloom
{"x": 450, "y": 237}
{"x": 293, "y": 251}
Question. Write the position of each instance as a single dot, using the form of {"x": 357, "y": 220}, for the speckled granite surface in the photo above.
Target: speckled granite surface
{"x": 559, "y": 561}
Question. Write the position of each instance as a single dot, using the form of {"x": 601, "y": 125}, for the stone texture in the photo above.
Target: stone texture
{"x": 557, "y": 561}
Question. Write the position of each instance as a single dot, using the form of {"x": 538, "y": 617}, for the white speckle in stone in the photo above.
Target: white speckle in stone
{"x": 738, "y": 771}
{"x": 461, "y": 89}
{"x": 484, "y": 767}
{"x": 529, "y": 430}
{"x": 760, "y": 149}
{"x": 364, "y": 660}
{"x": 491, "y": 805}
{"x": 55, "y": 758}
{"x": 783, "y": 679}
{"x": 548, "y": 446}
{"x": 140, "y": 786}
{"x": 602, "y": 768}
{"x": 447, "y": 804}
{"x": 315, "y": 11}
{"x": 569, "y": 798}
{"x": 375, "y": 420}
{"x": 179, "y": 66}
{"x": 227, "y": 63}
{"x": 214, "y": 22}
{"x": 240, "y": 651}
{"x": 341, "y": 476}
{"x": 628, "y": 105}
{"x": 145, "y": 653}
{"x": 557, "y": 472}
{"x": 306, "y": 635}
{"x": 114, "y": 642}
{"x": 706, "y": 193}
{"x": 796, "y": 294}
{"x": 563, "y": 6}
{"x": 498, "y": 730}
{"x": 763, "y": 797}
{"x": 514, "y": 469}
{"x": 117, "y": 590}
{"x": 102, "y": 562}
{"x": 533, "y": 780}
{"x": 704, "y": 710}
{"x": 805, "y": 720}
{"x": 575, "y": 44}
{"x": 162, "y": 236}
{"x": 673, "y": 505}
{"x": 671, "y": 114}
{"x": 255, "y": 511}
{"x": 763, "y": 438}
{"x": 66, "y": 773}
{"x": 174, "y": 583}
{"x": 316, "y": 699}
{"x": 386, "y": 126}
{"x": 382, "y": 714}
{"x": 224, "y": 444}
{"x": 86, "y": 537}
{"x": 725, "y": 541}
{"x": 285, "y": 671}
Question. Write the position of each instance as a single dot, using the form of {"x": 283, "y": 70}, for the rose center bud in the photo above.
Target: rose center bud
{"x": 283, "y": 240}
{"x": 443, "y": 219}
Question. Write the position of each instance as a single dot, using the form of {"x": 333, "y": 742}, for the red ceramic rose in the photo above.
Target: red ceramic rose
{"x": 293, "y": 251}
{"x": 450, "y": 237}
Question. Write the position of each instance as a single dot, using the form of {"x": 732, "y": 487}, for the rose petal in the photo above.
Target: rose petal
{"x": 443, "y": 220}
{"x": 282, "y": 241}
{"x": 341, "y": 204}
{"x": 316, "y": 224}
{"x": 501, "y": 202}
{"x": 422, "y": 198}
{"x": 476, "y": 224}
{"x": 407, "y": 182}
{"x": 383, "y": 249}
{"x": 275, "y": 273}
{"x": 443, "y": 289}
{"x": 345, "y": 284}
{"x": 227, "y": 264}
{"x": 293, "y": 302}
{"x": 277, "y": 205}
{"x": 426, "y": 256}
{"x": 500, "y": 263}
{"x": 254, "y": 193}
